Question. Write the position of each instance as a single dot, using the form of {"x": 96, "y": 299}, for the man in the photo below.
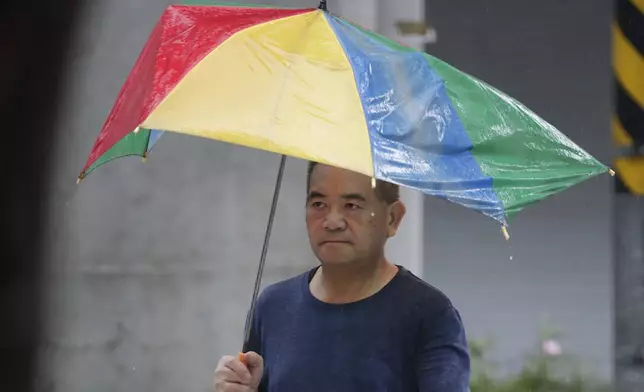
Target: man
{"x": 357, "y": 322}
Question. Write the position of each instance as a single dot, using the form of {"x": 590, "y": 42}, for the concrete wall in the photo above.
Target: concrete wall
{"x": 554, "y": 56}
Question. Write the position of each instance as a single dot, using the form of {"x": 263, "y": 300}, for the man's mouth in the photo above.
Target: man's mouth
{"x": 330, "y": 242}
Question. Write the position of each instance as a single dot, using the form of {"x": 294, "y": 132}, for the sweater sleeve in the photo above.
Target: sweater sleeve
{"x": 443, "y": 358}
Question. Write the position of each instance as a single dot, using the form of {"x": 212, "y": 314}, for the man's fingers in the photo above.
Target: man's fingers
{"x": 226, "y": 375}
{"x": 228, "y": 387}
{"x": 241, "y": 372}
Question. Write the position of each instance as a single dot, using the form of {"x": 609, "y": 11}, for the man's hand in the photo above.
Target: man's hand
{"x": 232, "y": 375}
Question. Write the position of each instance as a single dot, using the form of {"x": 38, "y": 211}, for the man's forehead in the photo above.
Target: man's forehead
{"x": 332, "y": 176}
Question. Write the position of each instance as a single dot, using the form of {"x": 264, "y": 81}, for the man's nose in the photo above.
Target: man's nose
{"x": 335, "y": 221}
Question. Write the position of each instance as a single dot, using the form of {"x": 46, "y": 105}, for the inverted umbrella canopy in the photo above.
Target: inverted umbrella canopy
{"x": 309, "y": 84}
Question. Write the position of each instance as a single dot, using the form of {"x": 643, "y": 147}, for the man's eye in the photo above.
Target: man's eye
{"x": 352, "y": 206}
{"x": 317, "y": 204}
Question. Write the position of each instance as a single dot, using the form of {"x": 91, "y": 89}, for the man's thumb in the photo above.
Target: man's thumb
{"x": 255, "y": 364}
{"x": 252, "y": 359}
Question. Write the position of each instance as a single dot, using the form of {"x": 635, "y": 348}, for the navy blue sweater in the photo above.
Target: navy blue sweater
{"x": 407, "y": 337}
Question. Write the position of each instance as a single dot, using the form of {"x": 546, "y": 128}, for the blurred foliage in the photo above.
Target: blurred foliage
{"x": 547, "y": 368}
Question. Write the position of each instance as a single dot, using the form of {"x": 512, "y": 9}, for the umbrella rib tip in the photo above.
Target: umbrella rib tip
{"x": 505, "y": 232}
{"x": 611, "y": 172}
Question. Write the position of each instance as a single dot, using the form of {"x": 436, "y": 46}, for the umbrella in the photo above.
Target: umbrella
{"x": 309, "y": 84}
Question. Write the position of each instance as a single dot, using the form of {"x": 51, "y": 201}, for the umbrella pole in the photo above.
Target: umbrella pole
{"x": 262, "y": 259}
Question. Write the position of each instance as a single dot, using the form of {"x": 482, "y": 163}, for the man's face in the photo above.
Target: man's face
{"x": 346, "y": 222}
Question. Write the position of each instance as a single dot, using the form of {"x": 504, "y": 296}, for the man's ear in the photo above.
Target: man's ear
{"x": 396, "y": 214}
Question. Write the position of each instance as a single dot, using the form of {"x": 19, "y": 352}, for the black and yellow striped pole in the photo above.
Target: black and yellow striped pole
{"x": 628, "y": 137}
{"x": 628, "y": 120}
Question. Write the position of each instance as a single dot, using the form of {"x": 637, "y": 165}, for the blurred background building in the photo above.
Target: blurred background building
{"x": 153, "y": 264}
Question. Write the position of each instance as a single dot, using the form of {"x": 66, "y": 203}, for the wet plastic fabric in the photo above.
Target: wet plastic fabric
{"x": 306, "y": 83}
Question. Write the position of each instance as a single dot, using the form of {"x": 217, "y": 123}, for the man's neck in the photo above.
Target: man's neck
{"x": 340, "y": 284}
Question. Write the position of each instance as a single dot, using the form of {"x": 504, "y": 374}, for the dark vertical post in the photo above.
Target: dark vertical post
{"x": 36, "y": 39}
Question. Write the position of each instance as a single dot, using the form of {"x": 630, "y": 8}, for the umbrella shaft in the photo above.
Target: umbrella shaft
{"x": 262, "y": 259}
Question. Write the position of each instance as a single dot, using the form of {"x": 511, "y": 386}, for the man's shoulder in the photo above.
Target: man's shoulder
{"x": 421, "y": 293}
{"x": 430, "y": 305}
{"x": 287, "y": 289}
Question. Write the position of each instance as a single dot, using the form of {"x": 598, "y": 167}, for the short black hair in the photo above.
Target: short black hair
{"x": 385, "y": 191}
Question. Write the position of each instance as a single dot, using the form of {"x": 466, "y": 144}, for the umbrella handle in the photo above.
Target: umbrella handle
{"x": 262, "y": 259}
